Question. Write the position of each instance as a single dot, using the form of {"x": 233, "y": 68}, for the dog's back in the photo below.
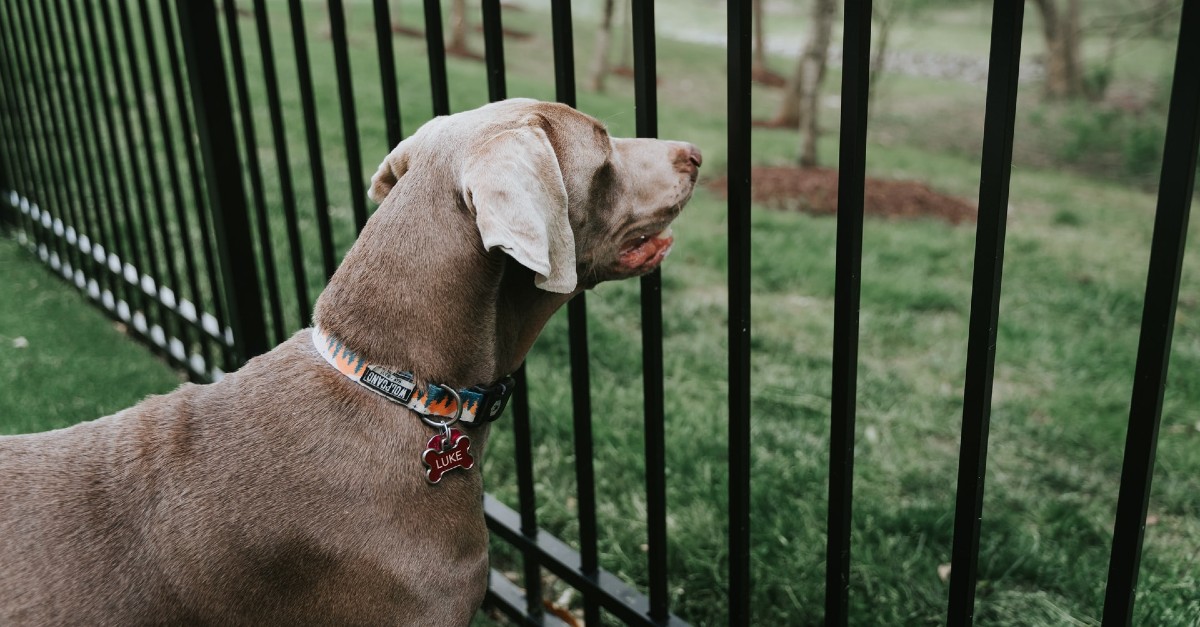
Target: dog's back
{"x": 214, "y": 504}
{"x": 74, "y": 512}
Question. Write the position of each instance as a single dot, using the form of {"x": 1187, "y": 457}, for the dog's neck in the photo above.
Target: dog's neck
{"x": 417, "y": 293}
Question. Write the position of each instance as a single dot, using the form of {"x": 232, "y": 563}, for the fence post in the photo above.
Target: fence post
{"x": 8, "y": 215}
{"x": 1176, "y": 182}
{"x": 222, "y": 174}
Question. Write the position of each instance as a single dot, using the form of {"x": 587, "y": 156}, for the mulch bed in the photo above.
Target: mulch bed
{"x": 814, "y": 190}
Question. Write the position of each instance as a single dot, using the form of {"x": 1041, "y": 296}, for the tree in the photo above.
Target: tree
{"x": 801, "y": 99}
{"x": 759, "y": 71}
{"x": 398, "y": 25}
{"x": 603, "y": 43}
{"x": 458, "y": 29}
{"x": 1060, "y": 27}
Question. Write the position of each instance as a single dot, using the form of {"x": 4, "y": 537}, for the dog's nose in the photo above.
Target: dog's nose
{"x": 687, "y": 159}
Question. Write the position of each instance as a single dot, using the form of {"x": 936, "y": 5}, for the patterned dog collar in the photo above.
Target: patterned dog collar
{"x": 481, "y": 404}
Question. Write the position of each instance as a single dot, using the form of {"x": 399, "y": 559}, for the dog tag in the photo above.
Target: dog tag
{"x": 445, "y": 453}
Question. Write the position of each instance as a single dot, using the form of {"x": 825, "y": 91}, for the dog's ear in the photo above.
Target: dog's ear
{"x": 514, "y": 184}
{"x": 393, "y": 167}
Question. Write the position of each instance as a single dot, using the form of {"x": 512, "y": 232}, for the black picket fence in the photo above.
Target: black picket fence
{"x": 161, "y": 233}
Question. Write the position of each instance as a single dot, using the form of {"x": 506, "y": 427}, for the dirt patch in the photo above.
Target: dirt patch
{"x": 815, "y": 190}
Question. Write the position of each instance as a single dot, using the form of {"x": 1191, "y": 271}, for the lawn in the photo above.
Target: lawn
{"x": 1075, "y": 269}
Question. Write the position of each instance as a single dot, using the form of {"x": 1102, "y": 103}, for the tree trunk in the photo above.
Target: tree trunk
{"x": 801, "y": 99}
{"x": 1160, "y": 11}
{"x": 759, "y": 61}
{"x": 759, "y": 72}
{"x": 885, "y": 16}
{"x": 458, "y": 20}
{"x": 1064, "y": 74}
{"x": 623, "y": 61}
{"x": 603, "y": 44}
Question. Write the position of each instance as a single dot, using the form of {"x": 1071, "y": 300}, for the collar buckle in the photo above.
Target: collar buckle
{"x": 492, "y": 400}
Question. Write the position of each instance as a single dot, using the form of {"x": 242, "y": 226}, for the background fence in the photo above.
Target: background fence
{"x": 141, "y": 142}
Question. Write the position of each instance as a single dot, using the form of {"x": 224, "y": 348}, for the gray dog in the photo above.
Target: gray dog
{"x": 333, "y": 479}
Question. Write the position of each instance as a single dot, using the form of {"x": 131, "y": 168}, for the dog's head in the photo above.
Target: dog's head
{"x": 549, "y": 187}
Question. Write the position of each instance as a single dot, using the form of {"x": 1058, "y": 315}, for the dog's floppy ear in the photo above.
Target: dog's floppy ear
{"x": 514, "y": 184}
{"x": 393, "y": 167}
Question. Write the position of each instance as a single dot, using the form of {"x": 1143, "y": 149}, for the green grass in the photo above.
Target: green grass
{"x": 61, "y": 360}
{"x": 1074, "y": 273}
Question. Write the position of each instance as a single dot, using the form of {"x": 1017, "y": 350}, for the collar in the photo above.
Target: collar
{"x": 480, "y": 404}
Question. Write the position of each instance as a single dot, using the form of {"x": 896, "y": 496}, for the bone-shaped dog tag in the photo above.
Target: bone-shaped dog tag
{"x": 445, "y": 453}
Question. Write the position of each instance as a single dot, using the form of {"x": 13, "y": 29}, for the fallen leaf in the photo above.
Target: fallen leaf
{"x": 562, "y": 613}
{"x": 944, "y": 572}
{"x": 1151, "y": 520}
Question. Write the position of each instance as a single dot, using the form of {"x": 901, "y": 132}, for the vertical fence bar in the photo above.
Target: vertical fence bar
{"x": 149, "y": 286}
{"x": 387, "y": 73}
{"x": 436, "y": 46}
{"x": 56, "y": 213}
{"x": 197, "y": 178}
{"x": 646, "y": 112}
{"x": 145, "y": 259}
{"x": 493, "y": 35}
{"x": 315, "y": 158}
{"x": 7, "y": 179}
{"x": 1176, "y": 183}
{"x": 119, "y": 208}
{"x": 16, "y": 176}
{"x": 90, "y": 199}
{"x": 254, "y": 168}
{"x": 995, "y": 170}
{"x": 739, "y": 60}
{"x": 581, "y": 394}
{"x": 168, "y": 334}
{"x": 287, "y": 191}
{"x": 105, "y": 238}
{"x": 20, "y": 124}
{"x": 856, "y": 57}
{"x": 180, "y": 345}
{"x": 88, "y": 194}
{"x": 49, "y": 198}
{"x": 564, "y": 51}
{"x": 35, "y": 130}
{"x": 345, "y": 81}
{"x": 493, "y": 49}
{"x": 526, "y": 496}
{"x": 214, "y": 120}
{"x": 66, "y": 214}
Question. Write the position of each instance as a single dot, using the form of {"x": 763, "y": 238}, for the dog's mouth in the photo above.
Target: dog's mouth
{"x": 644, "y": 253}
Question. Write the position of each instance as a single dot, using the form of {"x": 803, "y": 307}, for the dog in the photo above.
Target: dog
{"x": 333, "y": 480}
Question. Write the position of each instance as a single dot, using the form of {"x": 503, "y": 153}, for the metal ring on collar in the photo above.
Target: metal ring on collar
{"x": 458, "y": 409}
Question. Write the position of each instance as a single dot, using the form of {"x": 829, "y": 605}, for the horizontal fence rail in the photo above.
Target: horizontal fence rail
{"x": 216, "y": 207}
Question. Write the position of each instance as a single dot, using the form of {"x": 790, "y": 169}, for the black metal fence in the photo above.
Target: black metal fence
{"x": 126, "y": 158}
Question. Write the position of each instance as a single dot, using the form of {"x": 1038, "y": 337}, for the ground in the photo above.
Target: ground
{"x": 815, "y": 190}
